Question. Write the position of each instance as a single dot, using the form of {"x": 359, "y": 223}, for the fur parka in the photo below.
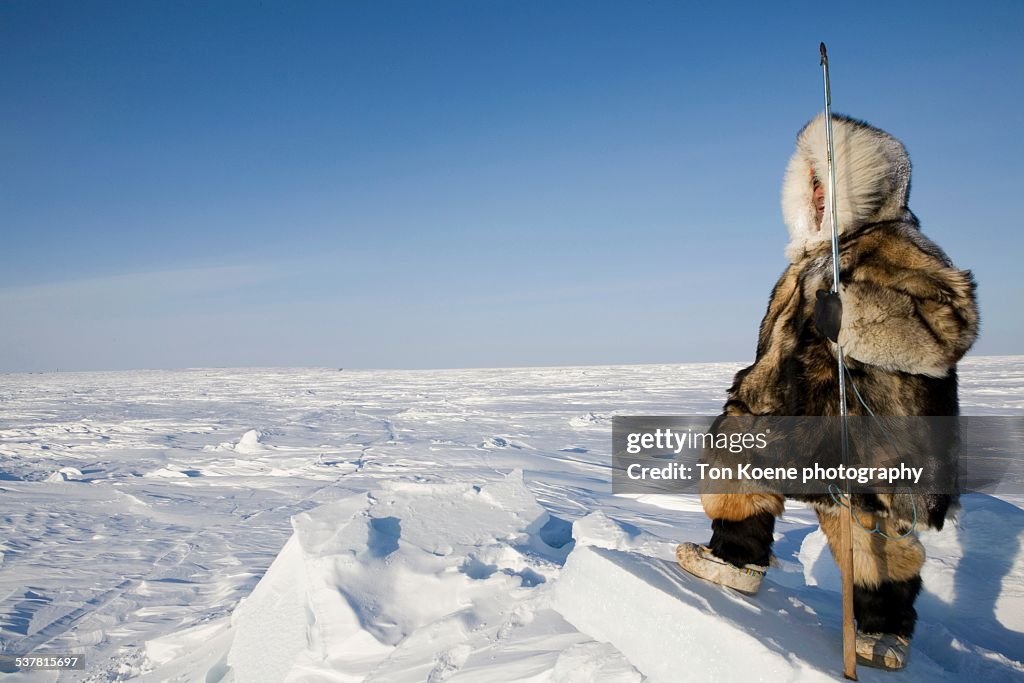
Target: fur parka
{"x": 908, "y": 313}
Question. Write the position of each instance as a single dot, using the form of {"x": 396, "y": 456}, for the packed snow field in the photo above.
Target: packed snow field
{"x": 268, "y": 525}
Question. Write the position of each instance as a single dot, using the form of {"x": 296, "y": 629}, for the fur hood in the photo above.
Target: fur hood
{"x": 872, "y": 181}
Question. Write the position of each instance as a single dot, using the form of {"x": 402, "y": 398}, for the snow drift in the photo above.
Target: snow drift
{"x": 436, "y": 582}
{"x": 417, "y": 582}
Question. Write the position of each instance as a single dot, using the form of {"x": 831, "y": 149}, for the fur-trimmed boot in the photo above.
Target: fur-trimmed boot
{"x": 737, "y": 555}
{"x": 883, "y": 650}
{"x": 702, "y": 563}
{"x": 885, "y": 622}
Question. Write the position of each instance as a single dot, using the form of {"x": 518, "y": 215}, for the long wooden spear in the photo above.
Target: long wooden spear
{"x": 844, "y": 553}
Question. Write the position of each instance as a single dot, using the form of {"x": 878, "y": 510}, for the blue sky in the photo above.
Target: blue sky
{"x": 453, "y": 184}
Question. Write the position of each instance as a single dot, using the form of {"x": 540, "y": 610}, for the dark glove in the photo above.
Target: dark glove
{"x": 828, "y": 314}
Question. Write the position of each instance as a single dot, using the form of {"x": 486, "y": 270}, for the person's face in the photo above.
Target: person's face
{"x": 819, "y": 199}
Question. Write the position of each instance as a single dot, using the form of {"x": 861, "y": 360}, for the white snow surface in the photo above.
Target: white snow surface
{"x": 320, "y": 525}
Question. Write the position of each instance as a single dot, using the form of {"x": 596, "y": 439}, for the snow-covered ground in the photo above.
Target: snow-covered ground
{"x": 428, "y": 526}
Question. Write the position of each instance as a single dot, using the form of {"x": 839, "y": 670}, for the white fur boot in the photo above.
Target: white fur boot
{"x": 701, "y": 562}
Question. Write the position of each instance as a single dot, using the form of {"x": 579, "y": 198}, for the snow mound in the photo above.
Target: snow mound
{"x": 675, "y": 627}
{"x": 250, "y": 443}
{"x": 502, "y": 442}
{"x": 590, "y": 420}
{"x": 65, "y": 474}
{"x": 415, "y": 582}
{"x": 166, "y": 473}
{"x": 600, "y": 531}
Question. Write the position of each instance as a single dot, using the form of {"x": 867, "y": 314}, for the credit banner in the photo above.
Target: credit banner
{"x": 803, "y": 455}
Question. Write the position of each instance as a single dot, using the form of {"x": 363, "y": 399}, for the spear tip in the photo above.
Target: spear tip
{"x": 824, "y": 54}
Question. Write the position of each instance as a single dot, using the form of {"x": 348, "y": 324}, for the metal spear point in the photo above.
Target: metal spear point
{"x": 844, "y": 554}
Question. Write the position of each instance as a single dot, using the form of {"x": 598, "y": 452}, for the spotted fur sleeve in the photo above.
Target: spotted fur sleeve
{"x": 918, "y": 316}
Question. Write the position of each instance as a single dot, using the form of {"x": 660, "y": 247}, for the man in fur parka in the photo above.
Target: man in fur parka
{"x": 904, "y": 317}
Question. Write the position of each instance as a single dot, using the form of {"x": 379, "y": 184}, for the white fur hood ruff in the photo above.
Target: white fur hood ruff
{"x": 872, "y": 181}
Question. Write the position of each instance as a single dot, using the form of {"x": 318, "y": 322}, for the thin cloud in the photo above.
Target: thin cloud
{"x": 115, "y": 293}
